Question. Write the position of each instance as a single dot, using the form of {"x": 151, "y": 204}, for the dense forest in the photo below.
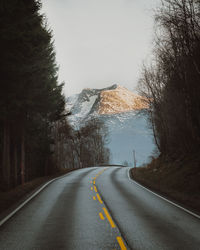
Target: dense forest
{"x": 171, "y": 82}
{"x": 34, "y": 131}
{"x": 30, "y": 96}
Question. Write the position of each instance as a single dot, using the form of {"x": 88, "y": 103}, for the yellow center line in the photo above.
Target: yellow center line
{"x": 94, "y": 182}
{"x": 99, "y": 198}
{"x": 91, "y": 188}
{"x": 101, "y": 216}
{"x": 109, "y": 217}
{"x": 95, "y": 189}
{"x": 121, "y": 243}
{"x": 94, "y": 198}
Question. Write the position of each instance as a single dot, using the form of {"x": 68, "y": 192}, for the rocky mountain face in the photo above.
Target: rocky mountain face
{"x": 123, "y": 113}
{"x": 120, "y": 99}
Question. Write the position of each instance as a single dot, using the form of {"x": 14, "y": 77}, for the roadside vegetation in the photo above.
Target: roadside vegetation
{"x": 81, "y": 148}
{"x": 171, "y": 84}
{"x": 177, "y": 180}
{"x": 35, "y": 137}
{"x": 30, "y": 96}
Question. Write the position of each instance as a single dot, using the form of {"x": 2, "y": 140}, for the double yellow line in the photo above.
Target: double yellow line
{"x": 99, "y": 199}
{"x": 121, "y": 243}
{"x": 109, "y": 218}
{"x": 95, "y": 189}
{"x": 112, "y": 224}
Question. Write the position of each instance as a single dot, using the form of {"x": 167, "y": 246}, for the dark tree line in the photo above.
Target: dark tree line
{"x": 81, "y": 148}
{"x": 30, "y": 97}
{"x": 172, "y": 80}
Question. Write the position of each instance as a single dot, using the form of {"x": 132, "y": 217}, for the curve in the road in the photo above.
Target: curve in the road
{"x": 99, "y": 208}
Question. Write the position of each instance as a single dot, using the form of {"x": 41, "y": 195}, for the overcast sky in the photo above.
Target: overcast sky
{"x": 100, "y": 42}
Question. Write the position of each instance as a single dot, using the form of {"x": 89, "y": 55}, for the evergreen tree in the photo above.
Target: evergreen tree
{"x": 29, "y": 92}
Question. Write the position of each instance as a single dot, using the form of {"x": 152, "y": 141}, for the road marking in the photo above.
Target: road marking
{"x": 94, "y": 182}
{"x": 101, "y": 216}
{"x": 121, "y": 243}
{"x": 91, "y": 188}
{"x": 99, "y": 198}
{"x": 109, "y": 217}
{"x": 176, "y": 205}
{"x": 95, "y": 189}
{"x": 94, "y": 198}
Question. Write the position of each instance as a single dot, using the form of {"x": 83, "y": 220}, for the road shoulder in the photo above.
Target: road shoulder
{"x": 187, "y": 202}
{"x": 11, "y": 200}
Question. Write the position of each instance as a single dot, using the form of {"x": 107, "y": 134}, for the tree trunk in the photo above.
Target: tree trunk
{"x": 15, "y": 166}
{"x": 22, "y": 165}
{"x": 6, "y": 155}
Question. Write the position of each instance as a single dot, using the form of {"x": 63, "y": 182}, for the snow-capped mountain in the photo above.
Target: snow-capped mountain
{"x": 85, "y": 105}
{"x": 120, "y": 109}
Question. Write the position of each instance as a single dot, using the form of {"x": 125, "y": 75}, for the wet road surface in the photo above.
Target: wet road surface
{"x": 99, "y": 208}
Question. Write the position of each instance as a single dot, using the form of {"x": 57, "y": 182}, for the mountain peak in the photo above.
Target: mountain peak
{"x": 120, "y": 100}
{"x": 115, "y": 99}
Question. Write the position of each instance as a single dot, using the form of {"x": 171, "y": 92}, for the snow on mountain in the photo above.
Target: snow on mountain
{"x": 120, "y": 109}
{"x": 80, "y": 110}
{"x": 71, "y": 100}
{"x": 85, "y": 105}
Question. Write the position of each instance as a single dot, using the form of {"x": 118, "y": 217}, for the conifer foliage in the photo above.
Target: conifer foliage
{"x": 30, "y": 97}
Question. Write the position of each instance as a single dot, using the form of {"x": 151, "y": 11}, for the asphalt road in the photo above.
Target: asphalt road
{"x": 99, "y": 208}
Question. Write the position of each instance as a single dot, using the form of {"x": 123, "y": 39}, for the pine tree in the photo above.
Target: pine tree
{"x": 29, "y": 88}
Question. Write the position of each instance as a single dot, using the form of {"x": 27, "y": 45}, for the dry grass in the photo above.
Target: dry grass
{"x": 179, "y": 180}
{"x": 14, "y": 196}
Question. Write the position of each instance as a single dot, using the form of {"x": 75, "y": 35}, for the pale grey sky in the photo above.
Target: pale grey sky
{"x": 100, "y": 42}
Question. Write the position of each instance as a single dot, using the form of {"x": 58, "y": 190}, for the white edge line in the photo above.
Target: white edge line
{"x": 171, "y": 202}
{"x": 30, "y": 198}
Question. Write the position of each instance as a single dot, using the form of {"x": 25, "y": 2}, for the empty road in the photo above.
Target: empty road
{"x": 99, "y": 208}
